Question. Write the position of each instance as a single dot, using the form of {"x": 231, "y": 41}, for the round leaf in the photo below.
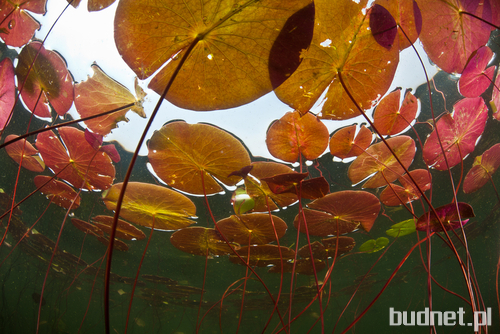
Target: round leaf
{"x": 58, "y": 192}
{"x": 200, "y": 241}
{"x": 372, "y": 245}
{"x": 252, "y": 228}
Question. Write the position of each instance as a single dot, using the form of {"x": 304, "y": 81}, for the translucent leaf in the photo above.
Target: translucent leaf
{"x": 343, "y": 144}
{"x": 449, "y": 37}
{"x": 180, "y": 153}
{"x": 483, "y": 168}
{"x": 146, "y": 205}
{"x": 448, "y": 215}
{"x": 241, "y": 201}
{"x": 200, "y": 241}
{"x": 380, "y": 161}
{"x": 17, "y": 27}
{"x": 123, "y": 230}
{"x": 342, "y": 43}
{"x": 296, "y": 134}
{"x": 78, "y": 163}
{"x": 372, "y": 245}
{"x": 476, "y": 78}
{"x": 58, "y": 192}
{"x": 7, "y": 91}
{"x": 22, "y": 149}
{"x": 403, "y": 228}
{"x": 100, "y": 93}
{"x": 252, "y": 229}
{"x": 229, "y": 63}
{"x": 495, "y": 99}
{"x": 458, "y": 133}
{"x": 389, "y": 118}
{"x": 49, "y": 81}
{"x": 339, "y": 213}
{"x": 395, "y": 195}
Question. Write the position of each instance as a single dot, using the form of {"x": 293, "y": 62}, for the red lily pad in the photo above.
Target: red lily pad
{"x": 78, "y": 163}
{"x": 344, "y": 145}
{"x": 495, "y": 99}
{"x": 17, "y": 27}
{"x": 200, "y": 241}
{"x": 345, "y": 245}
{"x": 383, "y": 26}
{"x": 152, "y": 206}
{"x": 389, "y": 118}
{"x": 263, "y": 255}
{"x": 449, "y": 36}
{"x": 296, "y": 134}
{"x": 7, "y": 91}
{"x": 458, "y": 134}
{"x": 265, "y": 199}
{"x": 476, "y": 78}
{"x": 181, "y": 156}
{"x": 380, "y": 161}
{"x": 124, "y": 230}
{"x": 257, "y": 228}
{"x": 24, "y": 153}
{"x": 49, "y": 80}
{"x": 483, "y": 168}
{"x": 58, "y": 192}
{"x": 448, "y": 215}
{"x": 395, "y": 195}
{"x": 339, "y": 213}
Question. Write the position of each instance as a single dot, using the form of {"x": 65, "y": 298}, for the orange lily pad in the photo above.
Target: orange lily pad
{"x": 200, "y": 241}
{"x": 343, "y": 144}
{"x": 257, "y": 228}
{"x": 23, "y": 150}
{"x": 124, "y": 230}
{"x": 58, "y": 192}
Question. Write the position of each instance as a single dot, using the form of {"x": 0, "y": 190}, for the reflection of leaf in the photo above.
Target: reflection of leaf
{"x": 339, "y": 213}
{"x": 295, "y": 134}
{"x": 23, "y": 149}
{"x": 100, "y": 93}
{"x": 476, "y": 78}
{"x": 389, "y": 118}
{"x": 457, "y": 134}
{"x": 17, "y": 27}
{"x": 344, "y": 145}
{"x": 449, "y": 36}
{"x": 342, "y": 43}
{"x": 448, "y": 215}
{"x": 380, "y": 160}
{"x": 147, "y": 204}
{"x": 80, "y": 165}
{"x": 58, "y": 192}
{"x": 48, "y": 81}
{"x": 251, "y": 229}
{"x": 200, "y": 241}
{"x": 123, "y": 230}
{"x": 7, "y": 91}
{"x": 228, "y": 65}
{"x": 483, "y": 168}
{"x": 181, "y": 154}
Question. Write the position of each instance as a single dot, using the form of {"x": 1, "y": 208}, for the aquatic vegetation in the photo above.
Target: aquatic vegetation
{"x": 210, "y": 245}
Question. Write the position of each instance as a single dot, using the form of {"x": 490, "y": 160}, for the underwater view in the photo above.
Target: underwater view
{"x": 253, "y": 166}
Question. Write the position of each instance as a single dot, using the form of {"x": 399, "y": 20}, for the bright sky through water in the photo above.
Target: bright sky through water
{"x": 83, "y": 38}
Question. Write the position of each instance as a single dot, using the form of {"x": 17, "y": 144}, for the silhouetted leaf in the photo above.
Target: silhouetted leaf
{"x": 181, "y": 153}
